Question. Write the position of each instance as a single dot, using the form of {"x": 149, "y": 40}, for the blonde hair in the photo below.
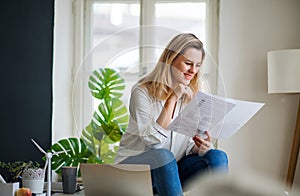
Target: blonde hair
{"x": 159, "y": 82}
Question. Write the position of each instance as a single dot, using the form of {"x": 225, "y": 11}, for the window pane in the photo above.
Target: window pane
{"x": 115, "y": 37}
{"x": 183, "y": 17}
{"x": 112, "y": 44}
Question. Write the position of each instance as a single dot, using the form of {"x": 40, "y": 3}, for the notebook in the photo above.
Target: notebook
{"x": 116, "y": 179}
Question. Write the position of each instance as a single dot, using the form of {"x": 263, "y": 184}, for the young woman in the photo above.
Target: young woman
{"x": 157, "y": 99}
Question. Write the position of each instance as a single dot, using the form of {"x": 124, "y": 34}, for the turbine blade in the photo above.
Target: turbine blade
{"x": 38, "y": 146}
{"x": 60, "y": 152}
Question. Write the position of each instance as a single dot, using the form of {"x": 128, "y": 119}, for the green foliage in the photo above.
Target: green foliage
{"x": 98, "y": 141}
{"x": 16, "y": 168}
{"x": 75, "y": 152}
{"x": 106, "y": 84}
{"x": 110, "y": 119}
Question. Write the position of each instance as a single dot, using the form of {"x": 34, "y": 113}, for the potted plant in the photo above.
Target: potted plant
{"x": 13, "y": 174}
{"x": 98, "y": 142}
{"x": 33, "y": 178}
{"x": 12, "y": 171}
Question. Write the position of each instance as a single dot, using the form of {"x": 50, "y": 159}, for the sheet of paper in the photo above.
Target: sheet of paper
{"x": 236, "y": 118}
{"x": 222, "y": 117}
{"x": 203, "y": 113}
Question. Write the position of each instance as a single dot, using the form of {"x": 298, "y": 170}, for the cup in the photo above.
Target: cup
{"x": 69, "y": 177}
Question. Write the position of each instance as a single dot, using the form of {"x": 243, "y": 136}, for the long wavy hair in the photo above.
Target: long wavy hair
{"x": 159, "y": 81}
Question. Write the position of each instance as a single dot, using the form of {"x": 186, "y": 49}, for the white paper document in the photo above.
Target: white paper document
{"x": 222, "y": 117}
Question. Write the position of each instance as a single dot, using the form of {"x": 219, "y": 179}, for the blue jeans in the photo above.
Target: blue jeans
{"x": 169, "y": 176}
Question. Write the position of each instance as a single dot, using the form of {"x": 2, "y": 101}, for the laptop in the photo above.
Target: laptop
{"x": 116, "y": 179}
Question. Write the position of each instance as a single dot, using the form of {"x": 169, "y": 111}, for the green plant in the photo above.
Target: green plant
{"x": 110, "y": 120}
{"x": 75, "y": 152}
{"x": 99, "y": 139}
{"x": 16, "y": 168}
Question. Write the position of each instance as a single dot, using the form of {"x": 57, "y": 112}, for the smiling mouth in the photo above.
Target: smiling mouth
{"x": 188, "y": 76}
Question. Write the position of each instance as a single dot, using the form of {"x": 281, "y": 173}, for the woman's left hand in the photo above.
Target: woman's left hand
{"x": 202, "y": 145}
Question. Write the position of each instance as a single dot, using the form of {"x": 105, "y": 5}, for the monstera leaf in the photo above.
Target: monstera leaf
{"x": 112, "y": 117}
{"x": 76, "y": 152}
{"x": 106, "y": 84}
{"x": 98, "y": 143}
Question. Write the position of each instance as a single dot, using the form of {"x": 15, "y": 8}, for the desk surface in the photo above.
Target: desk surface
{"x": 57, "y": 189}
{"x": 78, "y": 193}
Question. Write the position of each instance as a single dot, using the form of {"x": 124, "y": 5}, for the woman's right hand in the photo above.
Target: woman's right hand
{"x": 202, "y": 145}
{"x": 181, "y": 90}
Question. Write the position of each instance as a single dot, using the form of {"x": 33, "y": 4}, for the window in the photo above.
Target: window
{"x": 129, "y": 36}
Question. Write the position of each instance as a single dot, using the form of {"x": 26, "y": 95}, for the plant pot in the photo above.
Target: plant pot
{"x": 34, "y": 179}
{"x": 9, "y": 189}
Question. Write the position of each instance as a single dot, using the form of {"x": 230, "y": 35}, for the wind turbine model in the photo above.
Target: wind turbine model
{"x": 48, "y": 162}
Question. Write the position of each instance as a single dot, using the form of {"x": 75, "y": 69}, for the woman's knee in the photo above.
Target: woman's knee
{"x": 164, "y": 154}
{"x": 160, "y": 157}
{"x": 217, "y": 158}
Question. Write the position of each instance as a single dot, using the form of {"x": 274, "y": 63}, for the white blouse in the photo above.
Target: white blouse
{"x": 143, "y": 133}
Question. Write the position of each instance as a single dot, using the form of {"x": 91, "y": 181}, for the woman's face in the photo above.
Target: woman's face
{"x": 186, "y": 66}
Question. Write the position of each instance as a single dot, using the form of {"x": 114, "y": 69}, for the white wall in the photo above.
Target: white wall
{"x": 62, "y": 119}
{"x": 248, "y": 30}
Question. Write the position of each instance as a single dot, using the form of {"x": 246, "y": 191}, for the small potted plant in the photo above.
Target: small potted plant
{"x": 12, "y": 173}
{"x": 33, "y": 177}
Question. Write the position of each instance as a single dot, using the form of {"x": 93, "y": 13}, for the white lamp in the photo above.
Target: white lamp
{"x": 284, "y": 77}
